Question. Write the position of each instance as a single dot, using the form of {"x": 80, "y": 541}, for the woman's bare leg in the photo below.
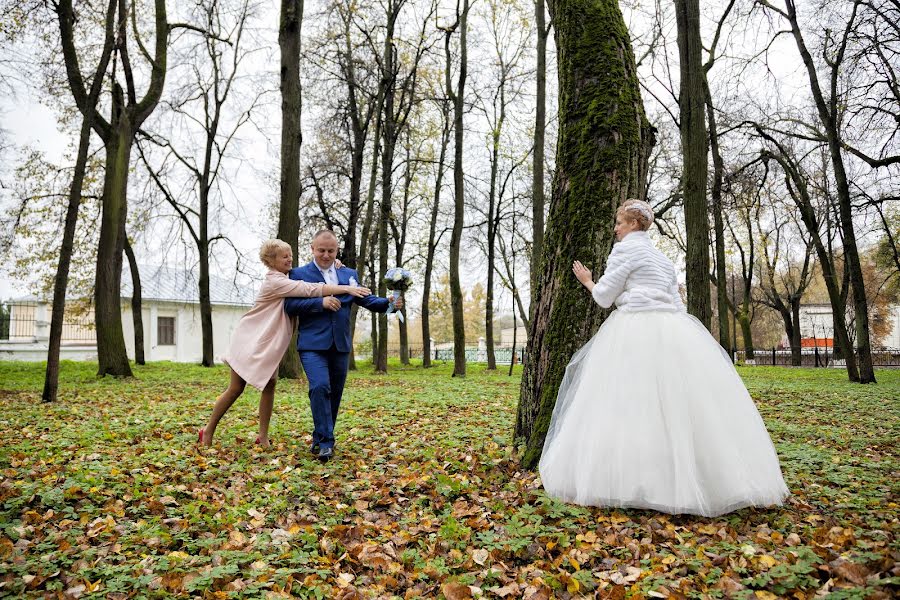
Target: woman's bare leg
{"x": 266, "y": 402}
{"x": 223, "y": 403}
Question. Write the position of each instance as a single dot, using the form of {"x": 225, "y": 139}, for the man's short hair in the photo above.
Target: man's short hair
{"x": 322, "y": 232}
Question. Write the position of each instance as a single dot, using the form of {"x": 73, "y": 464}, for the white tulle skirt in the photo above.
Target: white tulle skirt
{"x": 651, "y": 414}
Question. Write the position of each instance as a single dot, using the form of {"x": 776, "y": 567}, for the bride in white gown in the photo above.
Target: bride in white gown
{"x": 651, "y": 413}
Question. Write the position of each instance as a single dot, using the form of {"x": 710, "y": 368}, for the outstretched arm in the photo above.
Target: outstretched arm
{"x": 373, "y": 303}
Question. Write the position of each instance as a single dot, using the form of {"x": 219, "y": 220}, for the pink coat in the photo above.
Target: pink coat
{"x": 264, "y": 332}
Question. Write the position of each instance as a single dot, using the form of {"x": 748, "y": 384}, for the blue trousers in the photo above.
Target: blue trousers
{"x": 326, "y": 371}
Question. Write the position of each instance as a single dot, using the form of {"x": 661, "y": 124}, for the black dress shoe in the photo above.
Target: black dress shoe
{"x": 325, "y": 454}
{"x": 314, "y": 449}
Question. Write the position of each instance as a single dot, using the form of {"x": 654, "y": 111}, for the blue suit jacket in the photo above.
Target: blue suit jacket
{"x": 320, "y": 329}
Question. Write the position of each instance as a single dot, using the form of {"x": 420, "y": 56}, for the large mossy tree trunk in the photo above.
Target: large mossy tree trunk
{"x": 604, "y": 143}
{"x": 291, "y": 140}
{"x": 692, "y": 107}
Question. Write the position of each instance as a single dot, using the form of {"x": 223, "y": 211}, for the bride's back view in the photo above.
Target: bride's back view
{"x": 651, "y": 413}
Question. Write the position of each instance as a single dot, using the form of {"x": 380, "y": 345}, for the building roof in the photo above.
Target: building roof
{"x": 164, "y": 283}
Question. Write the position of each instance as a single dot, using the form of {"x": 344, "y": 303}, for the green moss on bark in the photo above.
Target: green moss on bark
{"x": 603, "y": 143}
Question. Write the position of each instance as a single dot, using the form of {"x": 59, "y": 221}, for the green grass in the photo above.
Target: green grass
{"x": 105, "y": 494}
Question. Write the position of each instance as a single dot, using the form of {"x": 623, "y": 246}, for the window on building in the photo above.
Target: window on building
{"x": 165, "y": 331}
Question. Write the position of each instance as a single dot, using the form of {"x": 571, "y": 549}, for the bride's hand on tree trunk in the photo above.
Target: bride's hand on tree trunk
{"x": 583, "y": 274}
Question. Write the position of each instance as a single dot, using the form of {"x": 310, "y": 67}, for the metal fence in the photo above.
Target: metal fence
{"x": 26, "y": 321}
{"x": 814, "y": 357}
{"x": 502, "y": 354}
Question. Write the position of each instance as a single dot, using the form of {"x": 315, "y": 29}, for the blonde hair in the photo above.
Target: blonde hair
{"x": 638, "y": 211}
{"x": 270, "y": 249}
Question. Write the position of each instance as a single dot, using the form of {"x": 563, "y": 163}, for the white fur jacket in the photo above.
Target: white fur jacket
{"x": 638, "y": 277}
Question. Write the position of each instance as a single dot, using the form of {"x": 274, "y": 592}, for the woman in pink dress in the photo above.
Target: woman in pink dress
{"x": 262, "y": 336}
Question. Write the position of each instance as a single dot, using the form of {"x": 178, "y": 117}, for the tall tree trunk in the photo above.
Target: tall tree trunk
{"x": 459, "y": 199}
{"x": 206, "y": 325}
{"x": 604, "y": 144}
{"x": 796, "y": 341}
{"x": 492, "y": 225}
{"x": 389, "y": 140}
{"x": 432, "y": 241}
{"x": 61, "y": 281}
{"x": 791, "y": 328}
{"x": 127, "y": 114}
{"x": 365, "y": 244}
{"x": 799, "y": 192}
{"x": 66, "y": 19}
{"x": 691, "y": 104}
{"x": 540, "y": 122}
{"x": 400, "y": 245}
{"x": 718, "y": 225}
{"x": 828, "y": 114}
{"x": 137, "y": 316}
{"x": 111, "y": 353}
{"x": 743, "y": 317}
{"x": 289, "y": 37}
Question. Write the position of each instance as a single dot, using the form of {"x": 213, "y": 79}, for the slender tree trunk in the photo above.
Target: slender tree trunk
{"x": 790, "y": 330}
{"x": 492, "y": 224}
{"x": 799, "y": 193}
{"x": 61, "y": 281}
{"x": 389, "y": 139}
{"x": 289, "y": 37}
{"x": 206, "y": 325}
{"x": 743, "y": 314}
{"x": 540, "y": 120}
{"x": 365, "y": 245}
{"x": 137, "y": 316}
{"x": 828, "y": 115}
{"x": 375, "y": 316}
{"x": 604, "y": 144}
{"x": 796, "y": 341}
{"x": 743, "y": 318}
{"x": 432, "y": 241}
{"x": 456, "y": 295}
{"x": 718, "y": 225}
{"x": 512, "y": 357}
{"x": 691, "y": 103}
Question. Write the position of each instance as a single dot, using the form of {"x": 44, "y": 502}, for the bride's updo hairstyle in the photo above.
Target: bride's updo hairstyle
{"x": 638, "y": 211}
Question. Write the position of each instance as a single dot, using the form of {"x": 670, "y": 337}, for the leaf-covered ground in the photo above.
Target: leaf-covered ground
{"x": 105, "y": 494}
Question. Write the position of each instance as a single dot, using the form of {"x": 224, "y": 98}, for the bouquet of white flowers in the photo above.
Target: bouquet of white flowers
{"x": 399, "y": 280}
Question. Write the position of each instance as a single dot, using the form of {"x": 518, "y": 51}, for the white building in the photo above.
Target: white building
{"x": 817, "y": 327}
{"x": 170, "y": 311}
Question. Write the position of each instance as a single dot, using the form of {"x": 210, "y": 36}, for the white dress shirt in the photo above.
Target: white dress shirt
{"x": 329, "y": 274}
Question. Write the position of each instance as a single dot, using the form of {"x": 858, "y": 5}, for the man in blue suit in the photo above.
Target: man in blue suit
{"x": 324, "y": 336}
